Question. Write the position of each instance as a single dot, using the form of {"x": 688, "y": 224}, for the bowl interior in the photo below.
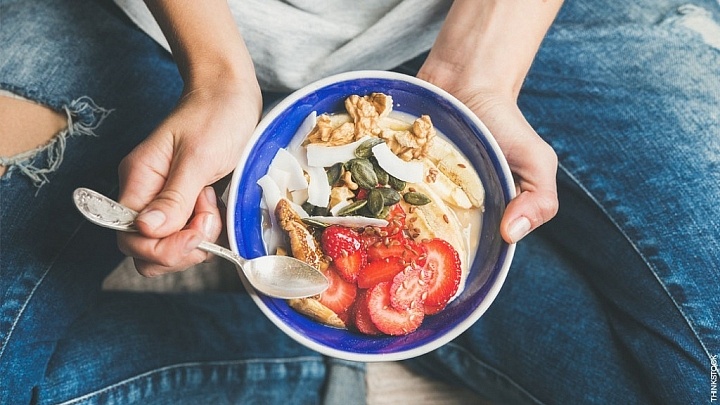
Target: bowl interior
{"x": 455, "y": 121}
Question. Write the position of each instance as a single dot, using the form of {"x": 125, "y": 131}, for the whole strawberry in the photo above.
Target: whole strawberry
{"x": 346, "y": 249}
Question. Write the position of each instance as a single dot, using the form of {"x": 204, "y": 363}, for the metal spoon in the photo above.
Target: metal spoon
{"x": 276, "y": 276}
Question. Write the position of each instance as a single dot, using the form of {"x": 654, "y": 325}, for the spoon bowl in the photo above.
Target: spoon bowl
{"x": 276, "y": 276}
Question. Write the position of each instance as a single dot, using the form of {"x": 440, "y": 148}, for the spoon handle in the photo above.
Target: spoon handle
{"x": 108, "y": 213}
{"x": 225, "y": 253}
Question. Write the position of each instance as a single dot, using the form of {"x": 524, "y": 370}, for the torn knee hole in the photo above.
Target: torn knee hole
{"x": 33, "y": 137}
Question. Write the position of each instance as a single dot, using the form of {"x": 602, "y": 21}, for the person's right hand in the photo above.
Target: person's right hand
{"x": 167, "y": 177}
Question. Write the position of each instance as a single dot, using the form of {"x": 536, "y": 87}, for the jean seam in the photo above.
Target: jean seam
{"x": 637, "y": 250}
{"x": 186, "y": 365}
{"x": 20, "y": 313}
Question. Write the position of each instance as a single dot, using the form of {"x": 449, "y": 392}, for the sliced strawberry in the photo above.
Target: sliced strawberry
{"x": 388, "y": 319}
{"x": 444, "y": 272}
{"x": 432, "y": 310}
{"x": 361, "y": 315}
{"x": 340, "y": 294}
{"x": 406, "y": 249}
{"x": 346, "y": 249}
{"x": 379, "y": 271}
{"x": 348, "y": 267}
{"x": 347, "y": 316}
{"x": 409, "y": 288}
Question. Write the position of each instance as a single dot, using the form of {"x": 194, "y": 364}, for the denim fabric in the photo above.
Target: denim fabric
{"x": 61, "y": 338}
{"x": 614, "y": 301}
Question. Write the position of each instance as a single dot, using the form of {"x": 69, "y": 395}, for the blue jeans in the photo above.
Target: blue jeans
{"x": 616, "y": 300}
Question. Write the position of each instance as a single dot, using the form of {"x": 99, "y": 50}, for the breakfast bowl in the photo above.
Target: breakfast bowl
{"x": 488, "y": 262}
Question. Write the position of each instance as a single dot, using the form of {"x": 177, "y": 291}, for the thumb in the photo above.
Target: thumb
{"x": 527, "y": 211}
{"x": 171, "y": 209}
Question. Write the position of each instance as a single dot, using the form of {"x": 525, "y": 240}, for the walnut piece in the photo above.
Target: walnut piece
{"x": 366, "y": 111}
{"x": 321, "y": 132}
{"x": 340, "y": 194}
{"x": 413, "y": 144}
{"x": 325, "y": 133}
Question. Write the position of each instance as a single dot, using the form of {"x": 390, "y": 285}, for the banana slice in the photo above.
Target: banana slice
{"x": 450, "y": 192}
{"x": 317, "y": 311}
{"x": 458, "y": 169}
{"x": 436, "y": 220}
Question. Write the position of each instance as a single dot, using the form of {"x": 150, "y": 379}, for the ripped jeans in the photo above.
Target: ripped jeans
{"x": 616, "y": 300}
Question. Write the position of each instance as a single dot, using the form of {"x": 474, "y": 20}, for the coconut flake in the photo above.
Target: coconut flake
{"x": 271, "y": 192}
{"x": 411, "y": 171}
{"x": 350, "y": 221}
{"x": 280, "y": 177}
{"x": 319, "y": 189}
{"x": 303, "y": 131}
{"x": 272, "y": 195}
{"x": 284, "y": 160}
{"x": 299, "y": 196}
{"x": 319, "y": 155}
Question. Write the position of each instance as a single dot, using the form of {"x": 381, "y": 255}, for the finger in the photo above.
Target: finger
{"x": 169, "y": 211}
{"x": 154, "y": 257}
{"x": 207, "y": 216}
{"x": 536, "y": 202}
{"x": 527, "y": 212}
{"x": 178, "y": 251}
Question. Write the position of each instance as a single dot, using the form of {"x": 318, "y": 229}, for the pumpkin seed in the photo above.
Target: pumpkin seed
{"x": 351, "y": 208}
{"x": 396, "y": 183}
{"x": 308, "y": 207}
{"x": 382, "y": 176}
{"x": 390, "y": 196}
{"x": 315, "y": 223}
{"x": 320, "y": 211}
{"x": 363, "y": 173}
{"x": 334, "y": 173}
{"x": 415, "y": 198}
{"x": 375, "y": 202}
{"x": 384, "y": 213}
{"x": 364, "y": 150}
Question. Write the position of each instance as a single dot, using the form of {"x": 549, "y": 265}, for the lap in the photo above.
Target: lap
{"x": 177, "y": 349}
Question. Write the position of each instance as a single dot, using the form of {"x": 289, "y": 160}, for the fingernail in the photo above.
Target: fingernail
{"x": 153, "y": 218}
{"x": 519, "y": 228}
{"x": 208, "y": 225}
{"x": 192, "y": 244}
{"x": 210, "y": 195}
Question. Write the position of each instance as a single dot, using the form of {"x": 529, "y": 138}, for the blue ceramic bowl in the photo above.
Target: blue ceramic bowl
{"x": 452, "y": 118}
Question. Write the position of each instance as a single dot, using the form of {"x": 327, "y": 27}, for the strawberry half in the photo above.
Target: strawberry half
{"x": 346, "y": 249}
{"x": 388, "y": 319}
{"x": 379, "y": 271}
{"x": 340, "y": 294}
{"x": 443, "y": 271}
{"x": 409, "y": 288}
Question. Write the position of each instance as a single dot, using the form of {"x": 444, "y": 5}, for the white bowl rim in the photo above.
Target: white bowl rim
{"x": 456, "y": 330}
